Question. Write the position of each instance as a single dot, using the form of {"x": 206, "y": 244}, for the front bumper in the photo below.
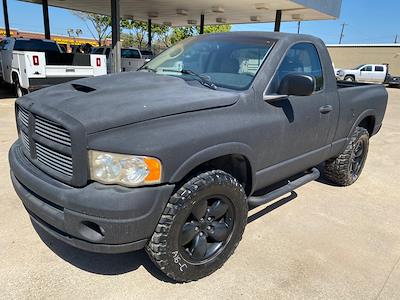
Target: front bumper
{"x": 97, "y": 218}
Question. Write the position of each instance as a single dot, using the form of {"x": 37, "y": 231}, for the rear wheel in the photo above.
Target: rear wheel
{"x": 19, "y": 91}
{"x": 200, "y": 227}
{"x": 347, "y": 167}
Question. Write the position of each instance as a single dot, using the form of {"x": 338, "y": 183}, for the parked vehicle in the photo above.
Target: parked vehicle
{"x": 131, "y": 58}
{"x": 170, "y": 158}
{"x": 147, "y": 54}
{"x": 393, "y": 81}
{"x": 364, "y": 73}
{"x": 30, "y": 64}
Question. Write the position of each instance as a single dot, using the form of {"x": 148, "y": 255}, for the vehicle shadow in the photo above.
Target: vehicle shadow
{"x": 271, "y": 207}
{"x": 116, "y": 264}
{"x": 104, "y": 264}
{"x": 6, "y": 91}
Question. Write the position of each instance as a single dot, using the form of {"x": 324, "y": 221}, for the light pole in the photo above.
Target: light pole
{"x": 74, "y": 33}
{"x": 342, "y": 33}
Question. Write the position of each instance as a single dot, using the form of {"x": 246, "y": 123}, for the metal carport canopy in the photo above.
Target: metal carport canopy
{"x": 191, "y": 12}
{"x": 188, "y": 12}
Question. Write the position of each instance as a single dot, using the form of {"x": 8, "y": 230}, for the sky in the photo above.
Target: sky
{"x": 369, "y": 21}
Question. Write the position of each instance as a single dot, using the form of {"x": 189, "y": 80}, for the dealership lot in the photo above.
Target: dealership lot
{"x": 320, "y": 242}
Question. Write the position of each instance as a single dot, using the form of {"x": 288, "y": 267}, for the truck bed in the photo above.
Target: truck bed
{"x": 341, "y": 84}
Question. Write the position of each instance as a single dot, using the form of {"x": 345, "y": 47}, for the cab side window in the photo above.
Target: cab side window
{"x": 367, "y": 69}
{"x": 302, "y": 58}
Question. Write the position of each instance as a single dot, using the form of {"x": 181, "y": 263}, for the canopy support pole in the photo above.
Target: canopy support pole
{"x": 116, "y": 43}
{"x": 6, "y": 21}
{"x": 46, "y": 22}
{"x": 149, "y": 35}
{"x": 202, "y": 24}
{"x": 278, "y": 20}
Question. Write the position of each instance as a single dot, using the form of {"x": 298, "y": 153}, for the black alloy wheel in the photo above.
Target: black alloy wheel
{"x": 357, "y": 160}
{"x": 207, "y": 229}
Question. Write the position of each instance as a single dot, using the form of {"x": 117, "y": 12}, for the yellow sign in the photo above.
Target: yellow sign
{"x": 74, "y": 42}
{"x": 3, "y": 32}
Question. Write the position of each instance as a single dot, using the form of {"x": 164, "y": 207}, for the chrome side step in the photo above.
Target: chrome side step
{"x": 289, "y": 187}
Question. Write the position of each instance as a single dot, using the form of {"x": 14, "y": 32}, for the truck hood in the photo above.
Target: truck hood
{"x": 110, "y": 101}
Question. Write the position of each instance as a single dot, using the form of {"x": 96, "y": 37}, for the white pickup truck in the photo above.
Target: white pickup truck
{"x": 364, "y": 73}
{"x": 30, "y": 64}
{"x": 131, "y": 58}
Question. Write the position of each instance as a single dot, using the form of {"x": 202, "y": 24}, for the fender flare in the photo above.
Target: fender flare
{"x": 213, "y": 152}
{"x": 362, "y": 116}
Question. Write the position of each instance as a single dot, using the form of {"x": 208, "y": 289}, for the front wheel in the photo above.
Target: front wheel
{"x": 347, "y": 167}
{"x": 349, "y": 78}
{"x": 200, "y": 228}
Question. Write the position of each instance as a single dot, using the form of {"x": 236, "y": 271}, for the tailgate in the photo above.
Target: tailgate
{"x": 84, "y": 66}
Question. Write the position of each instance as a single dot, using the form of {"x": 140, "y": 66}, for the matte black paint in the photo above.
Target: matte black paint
{"x": 185, "y": 125}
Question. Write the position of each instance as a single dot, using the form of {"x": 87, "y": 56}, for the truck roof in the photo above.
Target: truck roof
{"x": 267, "y": 35}
{"x": 28, "y": 39}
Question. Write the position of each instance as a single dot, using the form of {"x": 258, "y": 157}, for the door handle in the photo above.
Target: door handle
{"x": 325, "y": 109}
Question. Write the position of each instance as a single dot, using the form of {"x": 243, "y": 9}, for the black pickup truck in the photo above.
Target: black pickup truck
{"x": 171, "y": 157}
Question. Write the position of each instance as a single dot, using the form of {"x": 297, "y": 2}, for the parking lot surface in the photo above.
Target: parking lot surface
{"x": 320, "y": 242}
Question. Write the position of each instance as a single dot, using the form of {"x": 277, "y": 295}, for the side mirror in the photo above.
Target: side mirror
{"x": 297, "y": 85}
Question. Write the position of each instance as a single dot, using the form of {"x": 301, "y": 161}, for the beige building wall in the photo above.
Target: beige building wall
{"x": 353, "y": 56}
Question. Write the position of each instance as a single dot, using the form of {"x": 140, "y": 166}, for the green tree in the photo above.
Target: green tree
{"x": 162, "y": 34}
{"x": 215, "y": 28}
{"x": 138, "y": 30}
{"x": 127, "y": 39}
{"x": 181, "y": 33}
{"x": 101, "y": 25}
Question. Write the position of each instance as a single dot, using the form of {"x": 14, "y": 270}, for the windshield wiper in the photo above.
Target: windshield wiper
{"x": 148, "y": 69}
{"x": 200, "y": 78}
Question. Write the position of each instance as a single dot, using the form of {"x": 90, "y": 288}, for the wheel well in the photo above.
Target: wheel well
{"x": 349, "y": 75}
{"x": 234, "y": 164}
{"x": 368, "y": 123}
{"x": 15, "y": 76}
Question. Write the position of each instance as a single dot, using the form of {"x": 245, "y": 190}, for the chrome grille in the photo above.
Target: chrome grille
{"x": 55, "y": 160}
{"x": 23, "y": 116}
{"x": 52, "y": 131}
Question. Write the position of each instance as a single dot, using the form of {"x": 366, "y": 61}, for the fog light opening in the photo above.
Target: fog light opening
{"x": 92, "y": 231}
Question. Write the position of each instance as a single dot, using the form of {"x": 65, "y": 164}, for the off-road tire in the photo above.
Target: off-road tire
{"x": 339, "y": 170}
{"x": 164, "y": 247}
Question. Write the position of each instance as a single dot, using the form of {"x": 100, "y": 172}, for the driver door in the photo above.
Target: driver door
{"x": 298, "y": 129}
{"x": 366, "y": 74}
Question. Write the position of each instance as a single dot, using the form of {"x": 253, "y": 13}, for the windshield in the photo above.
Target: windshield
{"x": 227, "y": 61}
{"x": 359, "y": 67}
{"x": 98, "y": 51}
{"x": 130, "y": 53}
{"x": 36, "y": 45}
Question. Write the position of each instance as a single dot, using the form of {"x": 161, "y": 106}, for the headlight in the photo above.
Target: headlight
{"x": 127, "y": 170}
{"x": 340, "y": 73}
